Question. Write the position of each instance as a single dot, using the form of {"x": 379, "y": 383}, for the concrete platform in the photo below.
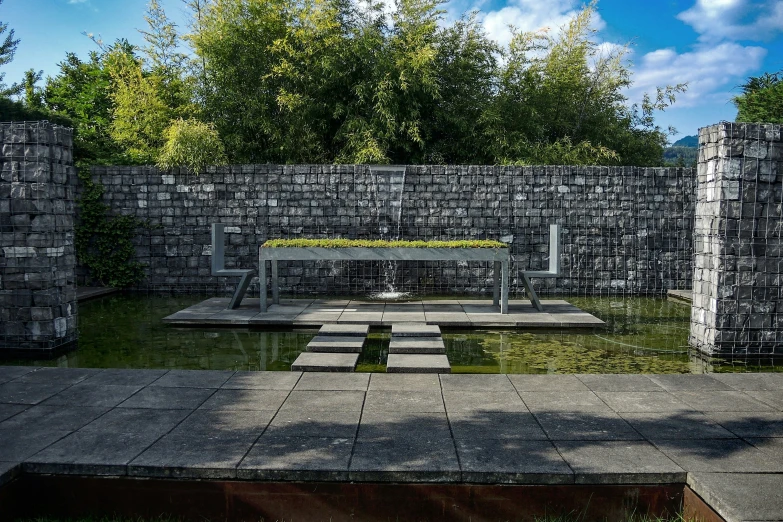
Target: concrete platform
{"x": 682, "y": 296}
{"x": 478, "y": 313}
{"x": 417, "y": 363}
{"x": 325, "y": 362}
{"x": 415, "y": 330}
{"x": 335, "y": 344}
{"x": 344, "y": 330}
{"x": 426, "y": 345}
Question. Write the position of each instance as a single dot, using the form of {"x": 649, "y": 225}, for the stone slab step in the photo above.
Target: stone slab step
{"x": 416, "y": 345}
{"x": 336, "y": 344}
{"x": 325, "y": 362}
{"x": 345, "y": 330}
{"x": 415, "y": 330}
{"x": 417, "y": 363}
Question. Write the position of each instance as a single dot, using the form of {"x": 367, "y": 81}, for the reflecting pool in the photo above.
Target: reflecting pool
{"x": 643, "y": 335}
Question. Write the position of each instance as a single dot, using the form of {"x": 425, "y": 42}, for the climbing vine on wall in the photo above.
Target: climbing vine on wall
{"x": 103, "y": 242}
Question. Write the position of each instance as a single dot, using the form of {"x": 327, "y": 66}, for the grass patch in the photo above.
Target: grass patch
{"x": 381, "y": 243}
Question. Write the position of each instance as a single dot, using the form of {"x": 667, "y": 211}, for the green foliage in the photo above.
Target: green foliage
{"x": 33, "y": 95}
{"x": 192, "y": 144}
{"x": 7, "y": 51}
{"x": 680, "y": 156}
{"x": 17, "y": 111}
{"x": 103, "y": 243}
{"x": 380, "y": 243}
{"x": 761, "y": 100}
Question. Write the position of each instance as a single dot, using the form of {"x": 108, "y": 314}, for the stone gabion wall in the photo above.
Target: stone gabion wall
{"x": 737, "y": 293}
{"x": 626, "y": 230}
{"x": 37, "y": 280}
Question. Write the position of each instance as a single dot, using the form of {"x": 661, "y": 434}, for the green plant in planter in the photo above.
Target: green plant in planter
{"x": 381, "y": 243}
{"x": 103, "y": 243}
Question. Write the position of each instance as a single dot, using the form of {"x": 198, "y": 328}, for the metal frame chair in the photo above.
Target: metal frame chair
{"x": 555, "y": 249}
{"x": 219, "y": 268}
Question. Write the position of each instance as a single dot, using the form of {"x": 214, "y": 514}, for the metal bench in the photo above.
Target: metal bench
{"x": 219, "y": 268}
{"x": 555, "y": 248}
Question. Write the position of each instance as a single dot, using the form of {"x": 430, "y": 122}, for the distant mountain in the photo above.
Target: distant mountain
{"x": 687, "y": 141}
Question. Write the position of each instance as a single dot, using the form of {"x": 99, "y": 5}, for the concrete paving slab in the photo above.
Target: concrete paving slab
{"x": 26, "y": 393}
{"x": 126, "y": 377}
{"x": 324, "y": 400}
{"x": 333, "y": 381}
{"x": 325, "y": 362}
{"x": 751, "y": 381}
{"x": 262, "y": 381}
{"x": 371, "y": 318}
{"x": 275, "y": 457}
{"x": 404, "y": 401}
{"x": 476, "y": 382}
{"x": 22, "y": 443}
{"x": 57, "y": 375}
{"x": 722, "y": 401}
{"x": 480, "y": 425}
{"x": 390, "y": 318}
{"x": 9, "y": 471}
{"x": 474, "y": 401}
{"x": 194, "y": 378}
{"x": 315, "y": 423}
{"x": 605, "y": 425}
{"x": 750, "y": 424}
{"x": 619, "y": 383}
{"x": 9, "y": 410}
{"x": 209, "y": 444}
{"x": 415, "y": 330}
{"x": 409, "y": 345}
{"x": 245, "y": 400}
{"x": 59, "y": 418}
{"x": 451, "y": 319}
{"x": 98, "y": 395}
{"x": 771, "y": 398}
{"x": 417, "y": 363}
{"x": 404, "y": 461}
{"x": 330, "y": 302}
{"x": 404, "y": 306}
{"x": 416, "y": 427}
{"x": 689, "y": 382}
{"x": 639, "y": 402}
{"x": 336, "y": 344}
{"x": 735, "y": 496}
{"x": 9, "y": 373}
{"x": 619, "y": 462}
{"x": 771, "y": 445}
{"x": 164, "y": 397}
{"x": 676, "y": 425}
{"x": 544, "y": 383}
{"x": 404, "y": 382}
{"x": 567, "y": 400}
{"x": 720, "y": 455}
{"x": 316, "y": 318}
{"x": 345, "y": 330}
{"x": 503, "y": 461}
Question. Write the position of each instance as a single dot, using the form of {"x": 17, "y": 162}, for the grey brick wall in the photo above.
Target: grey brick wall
{"x": 37, "y": 280}
{"x": 738, "y": 298}
{"x": 626, "y": 230}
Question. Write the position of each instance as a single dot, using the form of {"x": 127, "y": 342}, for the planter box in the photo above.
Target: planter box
{"x": 500, "y": 256}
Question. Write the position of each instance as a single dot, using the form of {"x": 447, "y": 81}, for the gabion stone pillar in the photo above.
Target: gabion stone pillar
{"x": 737, "y": 293}
{"x": 37, "y": 261}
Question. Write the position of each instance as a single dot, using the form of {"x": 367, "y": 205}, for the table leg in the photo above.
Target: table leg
{"x": 504, "y": 289}
{"x": 262, "y": 284}
{"x": 275, "y": 284}
{"x": 496, "y": 284}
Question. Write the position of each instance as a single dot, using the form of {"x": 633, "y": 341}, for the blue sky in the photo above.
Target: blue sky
{"x": 714, "y": 45}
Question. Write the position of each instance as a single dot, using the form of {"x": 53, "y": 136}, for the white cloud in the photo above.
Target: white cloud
{"x": 716, "y": 20}
{"x": 532, "y": 15}
{"x": 711, "y": 72}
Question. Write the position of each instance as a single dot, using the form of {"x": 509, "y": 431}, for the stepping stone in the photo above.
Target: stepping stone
{"x": 417, "y": 363}
{"x": 325, "y": 362}
{"x": 335, "y": 344}
{"x": 416, "y": 345}
{"x": 415, "y": 330}
{"x": 345, "y": 330}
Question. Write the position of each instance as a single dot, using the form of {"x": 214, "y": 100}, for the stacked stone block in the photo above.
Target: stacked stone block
{"x": 626, "y": 230}
{"x": 738, "y": 298}
{"x": 37, "y": 261}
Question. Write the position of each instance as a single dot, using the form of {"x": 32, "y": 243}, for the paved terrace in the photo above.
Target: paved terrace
{"x": 721, "y": 433}
{"x": 478, "y": 313}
